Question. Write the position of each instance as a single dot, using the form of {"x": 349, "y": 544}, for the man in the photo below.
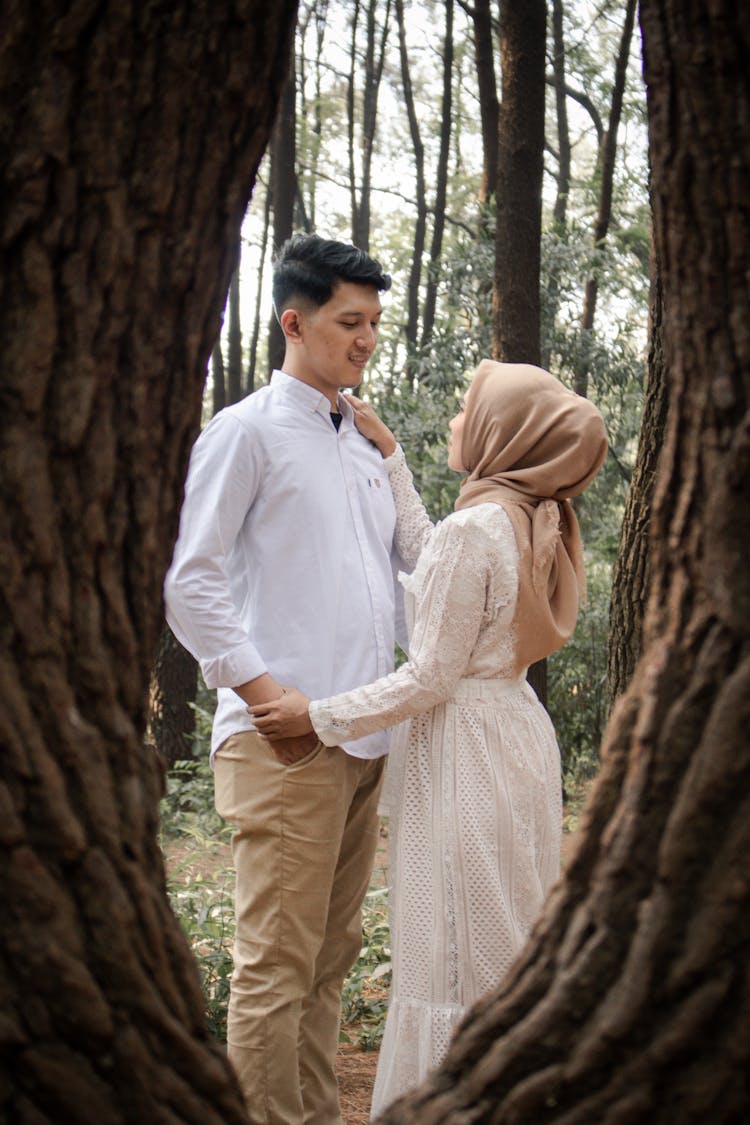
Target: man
{"x": 283, "y": 574}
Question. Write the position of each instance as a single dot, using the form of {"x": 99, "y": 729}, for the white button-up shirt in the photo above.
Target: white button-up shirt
{"x": 285, "y": 560}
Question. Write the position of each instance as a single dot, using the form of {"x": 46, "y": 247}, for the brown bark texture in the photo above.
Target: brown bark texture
{"x": 630, "y": 579}
{"x": 489, "y": 106}
{"x": 174, "y": 683}
{"x": 631, "y": 1002}
{"x": 130, "y": 135}
{"x": 516, "y": 306}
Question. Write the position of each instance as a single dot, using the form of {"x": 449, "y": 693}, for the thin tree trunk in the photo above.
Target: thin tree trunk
{"x": 420, "y": 225}
{"x": 119, "y": 235}
{"x": 351, "y": 115}
{"x": 559, "y": 214}
{"x": 606, "y": 168}
{"x": 489, "y": 107}
{"x": 441, "y": 188}
{"x": 252, "y": 363}
{"x": 218, "y": 380}
{"x": 631, "y": 1002}
{"x": 630, "y": 580}
{"x": 283, "y": 189}
{"x": 234, "y": 339}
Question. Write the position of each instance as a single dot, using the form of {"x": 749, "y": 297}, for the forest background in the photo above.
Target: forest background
{"x": 380, "y": 141}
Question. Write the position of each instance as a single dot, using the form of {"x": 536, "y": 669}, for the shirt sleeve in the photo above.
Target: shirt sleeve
{"x": 413, "y": 525}
{"x": 449, "y": 611}
{"x": 224, "y": 476}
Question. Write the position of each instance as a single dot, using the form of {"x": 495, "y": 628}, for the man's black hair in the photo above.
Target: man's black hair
{"x": 311, "y": 267}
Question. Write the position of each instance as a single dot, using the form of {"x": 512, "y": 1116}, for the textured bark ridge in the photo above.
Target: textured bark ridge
{"x": 129, "y": 139}
{"x": 631, "y": 1002}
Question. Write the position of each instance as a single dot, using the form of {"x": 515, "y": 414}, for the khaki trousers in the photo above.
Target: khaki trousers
{"x": 303, "y": 849}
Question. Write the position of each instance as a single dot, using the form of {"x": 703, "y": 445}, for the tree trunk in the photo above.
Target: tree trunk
{"x": 631, "y": 1002}
{"x": 234, "y": 380}
{"x": 420, "y": 226}
{"x": 441, "y": 187}
{"x": 218, "y": 381}
{"x": 125, "y": 169}
{"x": 373, "y": 73}
{"x": 516, "y": 324}
{"x": 519, "y": 188}
{"x": 174, "y": 682}
{"x": 606, "y": 170}
{"x": 561, "y": 107}
{"x": 489, "y": 109}
{"x": 283, "y": 188}
{"x": 630, "y": 580}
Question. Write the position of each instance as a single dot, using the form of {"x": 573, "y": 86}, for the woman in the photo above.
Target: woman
{"x": 473, "y": 782}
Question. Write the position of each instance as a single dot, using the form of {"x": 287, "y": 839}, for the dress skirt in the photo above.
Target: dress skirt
{"x": 474, "y": 799}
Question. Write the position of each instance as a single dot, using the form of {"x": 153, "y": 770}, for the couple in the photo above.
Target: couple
{"x": 299, "y": 510}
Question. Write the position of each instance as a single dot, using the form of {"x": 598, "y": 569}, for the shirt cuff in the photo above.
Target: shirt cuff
{"x": 233, "y": 668}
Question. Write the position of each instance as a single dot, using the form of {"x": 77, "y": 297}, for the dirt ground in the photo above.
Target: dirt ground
{"x": 355, "y": 1069}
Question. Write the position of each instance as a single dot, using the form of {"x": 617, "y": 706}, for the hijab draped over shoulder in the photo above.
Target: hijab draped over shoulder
{"x": 530, "y": 444}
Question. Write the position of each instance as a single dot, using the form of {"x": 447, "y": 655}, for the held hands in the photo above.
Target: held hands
{"x": 284, "y": 718}
{"x": 371, "y": 426}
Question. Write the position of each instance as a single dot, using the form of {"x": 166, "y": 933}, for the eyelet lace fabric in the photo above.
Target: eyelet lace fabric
{"x": 472, "y": 788}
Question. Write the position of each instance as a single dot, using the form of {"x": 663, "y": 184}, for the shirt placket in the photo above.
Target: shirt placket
{"x": 348, "y": 467}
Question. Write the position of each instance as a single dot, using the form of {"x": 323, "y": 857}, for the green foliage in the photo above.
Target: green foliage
{"x": 200, "y": 879}
{"x": 577, "y": 681}
{"x": 365, "y": 996}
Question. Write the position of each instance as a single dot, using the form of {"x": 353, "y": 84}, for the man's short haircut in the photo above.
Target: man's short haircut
{"x": 310, "y": 267}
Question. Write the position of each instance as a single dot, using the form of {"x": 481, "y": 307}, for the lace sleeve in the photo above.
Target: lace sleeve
{"x": 413, "y": 525}
{"x": 449, "y": 611}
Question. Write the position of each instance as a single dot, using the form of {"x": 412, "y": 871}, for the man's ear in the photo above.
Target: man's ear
{"x": 291, "y": 324}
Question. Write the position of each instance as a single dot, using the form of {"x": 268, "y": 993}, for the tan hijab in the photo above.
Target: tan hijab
{"x": 530, "y": 444}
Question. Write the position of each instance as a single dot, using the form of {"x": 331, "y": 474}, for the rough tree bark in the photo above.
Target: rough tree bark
{"x": 516, "y": 307}
{"x": 630, "y": 579}
{"x": 631, "y": 1002}
{"x": 129, "y": 140}
{"x": 174, "y": 682}
{"x": 515, "y": 317}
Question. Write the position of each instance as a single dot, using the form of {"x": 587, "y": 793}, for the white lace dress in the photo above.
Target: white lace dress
{"x": 472, "y": 789}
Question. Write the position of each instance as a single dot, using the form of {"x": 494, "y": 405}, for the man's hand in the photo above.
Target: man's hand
{"x": 285, "y": 717}
{"x": 292, "y": 750}
{"x": 289, "y": 746}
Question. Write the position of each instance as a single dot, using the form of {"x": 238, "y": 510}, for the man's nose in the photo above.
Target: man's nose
{"x": 366, "y": 338}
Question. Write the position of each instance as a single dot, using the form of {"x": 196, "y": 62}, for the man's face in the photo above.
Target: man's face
{"x": 331, "y": 345}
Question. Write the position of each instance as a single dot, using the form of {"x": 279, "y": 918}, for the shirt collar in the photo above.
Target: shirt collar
{"x": 308, "y": 396}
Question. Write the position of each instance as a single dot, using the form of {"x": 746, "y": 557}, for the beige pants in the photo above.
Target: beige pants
{"x": 303, "y": 851}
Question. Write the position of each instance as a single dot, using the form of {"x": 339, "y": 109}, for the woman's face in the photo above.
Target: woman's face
{"x": 456, "y": 426}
